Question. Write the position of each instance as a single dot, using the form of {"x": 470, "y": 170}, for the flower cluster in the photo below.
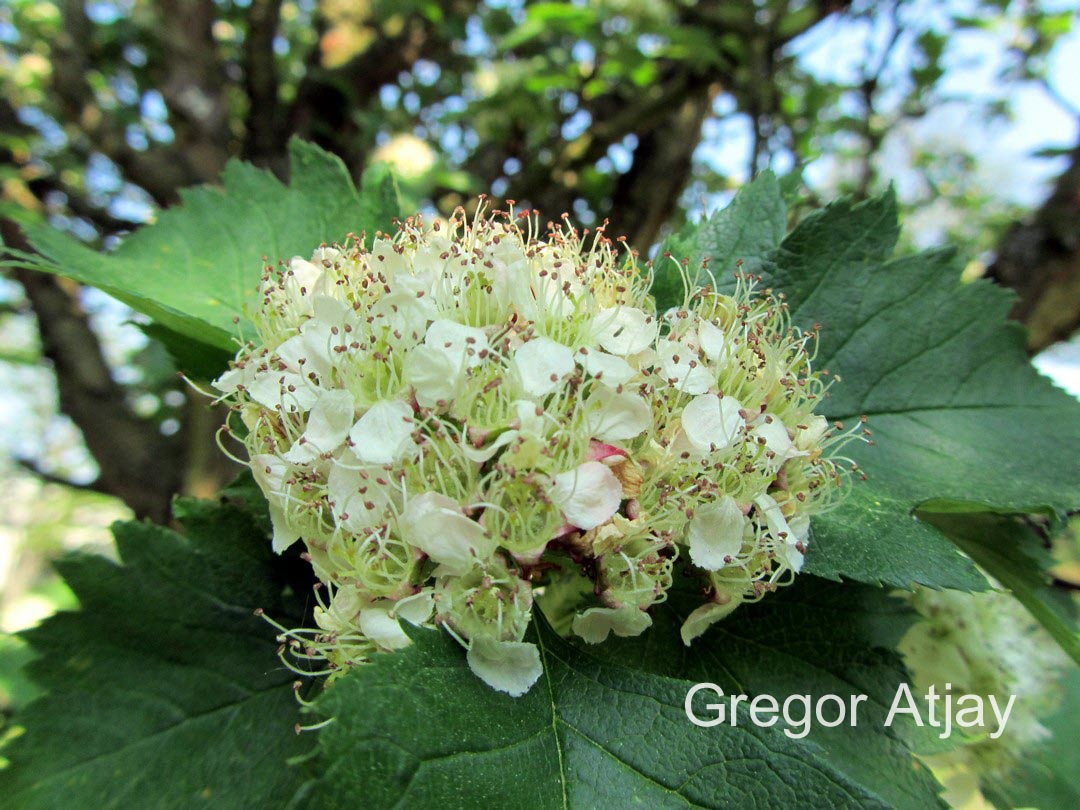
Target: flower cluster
{"x": 984, "y": 644}
{"x": 473, "y": 412}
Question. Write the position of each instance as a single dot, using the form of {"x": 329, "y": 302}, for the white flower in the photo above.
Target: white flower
{"x": 612, "y": 371}
{"x": 328, "y": 424}
{"x": 683, "y": 370}
{"x": 436, "y": 369}
{"x": 776, "y": 438}
{"x": 625, "y": 330}
{"x": 304, "y": 278}
{"x": 326, "y": 338}
{"x": 415, "y": 609}
{"x": 716, "y": 533}
{"x": 810, "y": 437}
{"x": 712, "y": 423}
{"x": 408, "y": 307}
{"x": 800, "y": 529}
{"x": 588, "y": 495}
{"x": 378, "y": 625}
{"x": 774, "y": 517}
{"x": 712, "y": 341}
{"x": 508, "y": 666}
{"x": 283, "y": 384}
{"x": 596, "y": 623}
{"x": 781, "y": 531}
{"x": 383, "y": 435}
{"x": 358, "y": 504}
{"x": 341, "y": 614}
{"x": 270, "y": 472}
{"x": 541, "y": 364}
{"x": 529, "y": 425}
{"x": 428, "y": 416}
{"x": 435, "y": 524}
{"x": 612, "y": 416}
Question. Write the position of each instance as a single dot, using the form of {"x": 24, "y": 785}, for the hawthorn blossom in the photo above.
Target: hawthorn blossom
{"x": 468, "y": 416}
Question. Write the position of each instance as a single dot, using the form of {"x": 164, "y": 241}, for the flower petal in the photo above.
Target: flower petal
{"x": 415, "y": 609}
{"x": 508, "y": 666}
{"x": 625, "y": 330}
{"x": 715, "y": 533}
{"x": 712, "y": 340}
{"x": 328, "y": 424}
{"x": 378, "y": 625}
{"x": 613, "y": 416}
{"x": 793, "y": 558}
{"x": 683, "y": 370}
{"x": 303, "y": 277}
{"x": 541, "y": 364}
{"x": 778, "y": 526}
{"x": 461, "y": 343}
{"x": 588, "y": 495}
{"x": 270, "y": 472}
{"x": 435, "y": 524}
{"x": 816, "y": 427}
{"x": 596, "y": 623}
{"x": 383, "y": 435}
{"x": 706, "y": 616}
{"x": 432, "y": 374}
{"x": 607, "y": 368}
{"x": 712, "y": 422}
{"x": 228, "y": 381}
{"x": 352, "y": 509}
{"x": 776, "y": 438}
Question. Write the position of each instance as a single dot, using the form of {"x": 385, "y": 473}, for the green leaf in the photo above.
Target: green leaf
{"x": 16, "y": 689}
{"x": 380, "y": 199}
{"x": 815, "y": 637}
{"x": 1014, "y": 554}
{"x": 745, "y": 232}
{"x": 195, "y": 269}
{"x": 163, "y": 690}
{"x": 606, "y": 727}
{"x": 546, "y": 18}
{"x": 957, "y": 411}
{"x": 198, "y": 361}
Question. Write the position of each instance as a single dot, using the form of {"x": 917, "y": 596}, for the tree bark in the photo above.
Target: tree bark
{"x": 646, "y": 196}
{"x": 1040, "y": 260}
{"x": 136, "y": 463}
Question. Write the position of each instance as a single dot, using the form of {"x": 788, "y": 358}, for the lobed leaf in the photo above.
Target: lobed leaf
{"x": 606, "y": 726}
{"x": 196, "y": 268}
{"x": 163, "y": 690}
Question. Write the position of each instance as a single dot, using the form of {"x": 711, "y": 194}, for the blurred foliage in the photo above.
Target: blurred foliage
{"x": 545, "y": 101}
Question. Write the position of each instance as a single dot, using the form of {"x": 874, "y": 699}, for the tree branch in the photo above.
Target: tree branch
{"x": 328, "y": 100}
{"x": 193, "y": 85}
{"x": 264, "y": 143}
{"x": 161, "y": 171}
{"x": 646, "y": 195}
{"x": 49, "y": 478}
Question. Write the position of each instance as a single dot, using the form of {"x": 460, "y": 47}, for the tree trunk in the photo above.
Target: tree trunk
{"x": 1040, "y": 260}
